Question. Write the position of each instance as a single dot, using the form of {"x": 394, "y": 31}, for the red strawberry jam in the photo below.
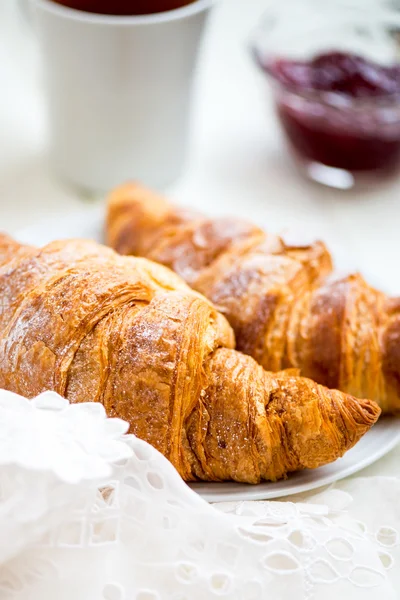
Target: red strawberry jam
{"x": 341, "y": 110}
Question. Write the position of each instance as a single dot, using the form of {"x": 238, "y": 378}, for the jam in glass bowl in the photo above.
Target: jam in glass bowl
{"x": 336, "y": 85}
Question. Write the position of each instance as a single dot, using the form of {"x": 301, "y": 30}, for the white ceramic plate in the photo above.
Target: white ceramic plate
{"x": 379, "y": 441}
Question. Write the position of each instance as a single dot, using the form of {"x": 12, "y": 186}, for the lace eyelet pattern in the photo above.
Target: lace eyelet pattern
{"x": 95, "y": 513}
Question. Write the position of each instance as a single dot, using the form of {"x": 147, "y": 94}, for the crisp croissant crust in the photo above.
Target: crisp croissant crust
{"x": 79, "y": 319}
{"x": 286, "y": 309}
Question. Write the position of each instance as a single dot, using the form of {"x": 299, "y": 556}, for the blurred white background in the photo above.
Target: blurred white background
{"x": 237, "y": 165}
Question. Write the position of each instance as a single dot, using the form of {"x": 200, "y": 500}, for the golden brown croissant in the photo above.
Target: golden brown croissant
{"x": 79, "y": 319}
{"x": 285, "y": 311}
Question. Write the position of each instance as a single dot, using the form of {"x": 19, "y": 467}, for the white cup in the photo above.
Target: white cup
{"x": 118, "y": 92}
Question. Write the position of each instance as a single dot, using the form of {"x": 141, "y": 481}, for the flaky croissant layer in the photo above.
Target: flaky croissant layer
{"x": 285, "y": 309}
{"x": 77, "y": 318}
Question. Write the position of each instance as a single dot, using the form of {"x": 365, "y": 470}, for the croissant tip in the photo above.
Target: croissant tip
{"x": 369, "y": 411}
{"x": 374, "y": 409}
{"x": 127, "y": 190}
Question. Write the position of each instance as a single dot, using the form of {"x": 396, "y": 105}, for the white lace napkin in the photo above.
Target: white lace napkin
{"x": 89, "y": 513}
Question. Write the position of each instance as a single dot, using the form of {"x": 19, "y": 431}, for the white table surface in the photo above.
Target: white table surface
{"x": 237, "y": 163}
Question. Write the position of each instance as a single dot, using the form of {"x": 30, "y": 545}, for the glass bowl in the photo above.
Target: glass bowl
{"x": 336, "y": 138}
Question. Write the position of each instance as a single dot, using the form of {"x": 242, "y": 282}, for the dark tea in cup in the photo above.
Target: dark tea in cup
{"x": 124, "y": 7}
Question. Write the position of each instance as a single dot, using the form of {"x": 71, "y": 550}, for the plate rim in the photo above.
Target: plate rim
{"x": 261, "y": 491}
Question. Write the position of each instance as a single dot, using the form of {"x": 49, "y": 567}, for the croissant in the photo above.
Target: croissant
{"x": 286, "y": 309}
{"x": 77, "y": 318}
